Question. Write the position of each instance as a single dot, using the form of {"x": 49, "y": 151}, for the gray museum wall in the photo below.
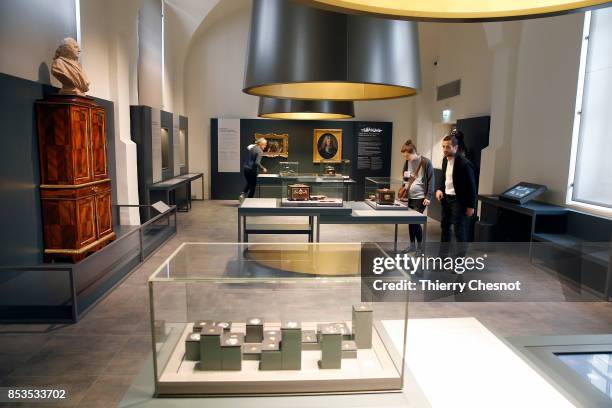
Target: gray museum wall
{"x": 150, "y": 33}
{"x": 30, "y": 31}
{"x": 226, "y": 186}
{"x": 21, "y": 241}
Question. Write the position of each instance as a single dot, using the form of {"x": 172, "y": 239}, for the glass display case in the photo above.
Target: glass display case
{"x": 339, "y": 169}
{"x": 287, "y": 168}
{"x": 287, "y": 318}
{"x": 312, "y": 190}
{"x": 381, "y": 193}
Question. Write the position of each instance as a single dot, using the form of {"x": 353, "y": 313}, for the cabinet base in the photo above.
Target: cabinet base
{"x": 76, "y": 255}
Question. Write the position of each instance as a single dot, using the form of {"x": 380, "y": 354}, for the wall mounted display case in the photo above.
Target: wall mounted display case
{"x": 182, "y": 150}
{"x": 282, "y": 318}
{"x": 162, "y": 145}
{"x": 310, "y": 190}
{"x": 381, "y": 193}
{"x": 165, "y": 148}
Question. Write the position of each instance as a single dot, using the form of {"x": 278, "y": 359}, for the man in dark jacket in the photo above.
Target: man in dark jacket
{"x": 456, "y": 191}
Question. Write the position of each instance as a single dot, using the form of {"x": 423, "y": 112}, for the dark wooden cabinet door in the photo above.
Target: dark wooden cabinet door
{"x": 80, "y": 142}
{"x": 54, "y": 143}
{"x": 98, "y": 144}
{"x": 86, "y": 226}
{"x": 104, "y": 215}
{"x": 59, "y": 218}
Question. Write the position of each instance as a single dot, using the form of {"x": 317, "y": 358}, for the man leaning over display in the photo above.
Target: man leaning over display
{"x": 456, "y": 191}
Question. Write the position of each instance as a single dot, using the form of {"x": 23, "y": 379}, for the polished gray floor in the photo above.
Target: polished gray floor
{"x": 98, "y": 358}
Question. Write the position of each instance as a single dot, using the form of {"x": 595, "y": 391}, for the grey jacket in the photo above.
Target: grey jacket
{"x": 253, "y": 160}
{"x": 429, "y": 179}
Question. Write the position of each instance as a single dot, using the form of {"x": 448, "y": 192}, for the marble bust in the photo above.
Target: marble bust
{"x": 67, "y": 69}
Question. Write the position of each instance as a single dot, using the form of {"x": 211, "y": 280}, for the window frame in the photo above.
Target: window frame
{"x": 569, "y": 200}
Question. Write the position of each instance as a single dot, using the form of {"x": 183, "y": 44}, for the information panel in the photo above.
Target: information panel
{"x": 228, "y": 146}
{"x": 373, "y": 153}
{"x": 370, "y": 147}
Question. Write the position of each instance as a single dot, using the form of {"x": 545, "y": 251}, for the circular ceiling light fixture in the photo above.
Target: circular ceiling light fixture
{"x": 301, "y": 52}
{"x": 457, "y": 10}
{"x": 274, "y": 108}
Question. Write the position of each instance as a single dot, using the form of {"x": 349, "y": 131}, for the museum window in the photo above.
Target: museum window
{"x": 590, "y": 181}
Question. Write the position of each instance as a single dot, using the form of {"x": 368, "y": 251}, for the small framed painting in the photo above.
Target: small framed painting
{"x": 278, "y": 144}
{"x": 327, "y": 146}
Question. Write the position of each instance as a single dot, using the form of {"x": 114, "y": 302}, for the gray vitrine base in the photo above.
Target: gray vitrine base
{"x": 541, "y": 353}
{"x": 352, "y": 212}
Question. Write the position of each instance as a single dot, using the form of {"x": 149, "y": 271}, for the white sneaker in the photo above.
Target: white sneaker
{"x": 241, "y": 198}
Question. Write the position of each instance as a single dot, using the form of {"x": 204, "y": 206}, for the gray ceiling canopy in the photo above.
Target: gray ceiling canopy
{"x": 274, "y": 108}
{"x": 299, "y": 52}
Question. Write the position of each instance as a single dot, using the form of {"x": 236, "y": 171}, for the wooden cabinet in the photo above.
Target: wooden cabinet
{"x": 75, "y": 189}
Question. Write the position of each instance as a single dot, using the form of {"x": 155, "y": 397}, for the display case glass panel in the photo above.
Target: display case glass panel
{"x": 267, "y": 318}
{"x": 312, "y": 190}
{"x": 165, "y": 148}
{"x": 382, "y": 193}
{"x": 596, "y": 368}
{"x": 182, "y": 147}
{"x": 286, "y": 168}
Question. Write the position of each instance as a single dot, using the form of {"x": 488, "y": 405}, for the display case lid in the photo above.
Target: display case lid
{"x": 272, "y": 262}
{"x": 384, "y": 180}
{"x": 313, "y": 178}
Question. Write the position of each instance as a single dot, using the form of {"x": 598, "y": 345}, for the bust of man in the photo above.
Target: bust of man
{"x": 67, "y": 70}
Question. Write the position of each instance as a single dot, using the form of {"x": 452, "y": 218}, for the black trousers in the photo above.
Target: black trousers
{"x": 251, "y": 181}
{"x": 415, "y": 230}
{"x": 453, "y": 215}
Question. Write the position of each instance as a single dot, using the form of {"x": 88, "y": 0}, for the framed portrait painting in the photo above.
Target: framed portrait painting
{"x": 327, "y": 146}
{"x": 278, "y": 144}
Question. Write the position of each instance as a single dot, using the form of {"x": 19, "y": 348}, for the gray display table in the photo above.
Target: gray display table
{"x": 167, "y": 189}
{"x": 254, "y": 207}
{"x": 362, "y": 213}
{"x": 189, "y": 177}
{"x": 352, "y": 212}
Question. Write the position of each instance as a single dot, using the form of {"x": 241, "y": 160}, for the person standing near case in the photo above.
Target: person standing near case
{"x": 456, "y": 191}
{"x": 251, "y": 167}
{"x": 417, "y": 189}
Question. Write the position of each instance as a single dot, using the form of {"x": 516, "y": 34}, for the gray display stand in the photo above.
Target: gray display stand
{"x": 257, "y": 207}
{"x": 140, "y": 394}
{"x": 166, "y": 190}
{"x": 361, "y": 213}
{"x": 352, "y": 212}
{"x": 71, "y": 289}
{"x": 541, "y": 353}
